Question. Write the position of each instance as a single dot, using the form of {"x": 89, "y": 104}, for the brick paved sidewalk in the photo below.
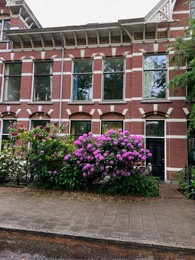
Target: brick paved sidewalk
{"x": 165, "y": 221}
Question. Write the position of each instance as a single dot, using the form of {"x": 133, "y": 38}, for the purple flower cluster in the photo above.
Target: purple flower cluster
{"x": 113, "y": 153}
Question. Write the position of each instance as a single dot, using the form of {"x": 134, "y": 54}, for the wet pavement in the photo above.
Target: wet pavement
{"x": 22, "y": 246}
{"x": 165, "y": 222}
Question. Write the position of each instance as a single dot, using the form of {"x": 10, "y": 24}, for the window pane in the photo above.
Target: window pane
{"x": 43, "y": 81}
{"x": 12, "y": 81}
{"x": 106, "y": 125}
{"x": 113, "y": 79}
{"x": 155, "y": 84}
{"x": 113, "y": 65}
{"x": 42, "y": 88}
{"x": 13, "y": 69}
{"x": 155, "y": 128}
{"x": 12, "y": 88}
{"x": 79, "y": 128}
{"x": 36, "y": 123}
{"x": 42, "y": 68}
{"x": 113, "y": 86}
{"x": 6, "y": 125}
{"x": 6, "y": 26}
{"x": 82, "y": 66}
{"x": 82, "y": 87}
{"x": 155, "y": 62}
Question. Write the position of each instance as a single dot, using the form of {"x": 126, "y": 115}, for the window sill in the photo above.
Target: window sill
{"x": 149, "y": 101}
{"x": 40, "y": 103}
{"x": 103, "y": 102}
{"x": 81, "y": 102}
{"x": 10, "y": 102}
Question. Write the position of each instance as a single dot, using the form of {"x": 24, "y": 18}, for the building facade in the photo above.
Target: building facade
{"x": 98, "y": 76}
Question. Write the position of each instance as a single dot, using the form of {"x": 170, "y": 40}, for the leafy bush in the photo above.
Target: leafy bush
{"x": 187, "y": 182}
{"x": 12, "y": 168}
{"x": 43, "y": 149}
{"x": 112, "y": 154}
{"x": 136, "y": 184}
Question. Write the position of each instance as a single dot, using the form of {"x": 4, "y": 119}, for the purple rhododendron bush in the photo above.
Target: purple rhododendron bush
{"x": 112, "y": 154}
{"x": 110, "y": 160}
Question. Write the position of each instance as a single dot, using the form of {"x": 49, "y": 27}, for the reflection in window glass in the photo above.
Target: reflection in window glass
{"x": 42, "y": 81}
{"x": 192, "y": 9}
{"x": 155, "y": 76}
{"x": 113, "y": 78}
{"x": 106, "y": 125}
{"x": 6, "y": 125}
{"x": 12, "y": 81}
{"x": 155, "y": 128}
{"x": 82, "y": 87}
{"x": 79, "y": 128}
{"x": 4, "y": 25}
{"x": 36, "y": 123}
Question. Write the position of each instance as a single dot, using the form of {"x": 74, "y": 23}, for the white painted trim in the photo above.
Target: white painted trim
{"x": 176, "y": 120}
{"x": 25, "y": 100}
{"x": 134, "y": 120}
{"x": 178, "y": 28}
{"x": 97, "y": 72}
{"x": 23, "y": 119}
{"x": 137, "y": 69}
{"x": 64, "y": 73}
{"x": 135, "y": 54}
{"x": 176, "y": 137}
{"x": 181, "y": 12}
{"x": 177, "y": 98}
{"x": 27, "y": 75}
{"x": 172, "y": 169}
{"x": 27, "y": 61}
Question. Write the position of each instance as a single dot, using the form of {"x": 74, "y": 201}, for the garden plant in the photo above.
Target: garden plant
{"x": 44, "y": 157}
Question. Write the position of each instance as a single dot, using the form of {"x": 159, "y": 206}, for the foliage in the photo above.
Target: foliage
{"x": 112, "y": 154}
{"x": 137, "y": 185}
{"x": 50, "y": 160}
{"x": 187, "y": 182}
{"x": 12, "y": 168}
{"x": 43, "y": 149}
{"x": 184, "y": 56}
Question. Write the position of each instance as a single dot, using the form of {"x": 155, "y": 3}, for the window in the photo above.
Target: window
{"x": 6, "y": 125}
{"x": 79, "y": 128}
{"x": 106, "y": 125}
{"x": 113, "y": 79}
{"x": 155, "y": 76}
{"x": 42, "y": 81}
{"x": 82, "y": 87}
{"x": 192, "y": 9}
{"x": 155, "y": 128}
{"x": 35, "y": 123}
{"x": 4, "y": 25}
{"x": 12, "y": 81}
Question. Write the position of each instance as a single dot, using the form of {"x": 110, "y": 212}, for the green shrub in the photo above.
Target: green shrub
{"x": 12, "y": 167}
{"x": 136, "y": 184}
{"x": 187, "y": 183}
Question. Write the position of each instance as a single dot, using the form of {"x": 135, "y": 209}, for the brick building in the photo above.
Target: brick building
{"x": 98, "y": 76}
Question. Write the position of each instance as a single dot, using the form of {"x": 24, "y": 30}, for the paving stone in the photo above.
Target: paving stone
{"x": 164, "y": 221}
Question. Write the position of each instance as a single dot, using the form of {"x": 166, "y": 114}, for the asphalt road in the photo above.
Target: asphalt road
{"x": 25, "y": 246}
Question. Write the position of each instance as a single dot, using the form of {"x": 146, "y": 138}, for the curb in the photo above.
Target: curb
{"x": 131, "y": 244}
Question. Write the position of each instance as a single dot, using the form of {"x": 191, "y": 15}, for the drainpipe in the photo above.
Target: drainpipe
{"x": 61, "y": 82}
